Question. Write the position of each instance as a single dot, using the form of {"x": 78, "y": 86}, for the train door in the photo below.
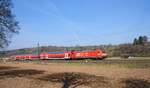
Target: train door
{"x": 67, "y": 55}
{"x": 73, "y": 54}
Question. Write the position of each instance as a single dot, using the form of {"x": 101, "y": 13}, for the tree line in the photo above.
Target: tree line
{"x": 139, "y": 47}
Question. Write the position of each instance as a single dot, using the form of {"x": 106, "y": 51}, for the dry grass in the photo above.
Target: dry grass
{"x": 54, "y": 75}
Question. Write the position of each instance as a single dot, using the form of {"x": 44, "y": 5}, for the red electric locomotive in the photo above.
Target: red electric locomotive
{"x": 92, "y": 54}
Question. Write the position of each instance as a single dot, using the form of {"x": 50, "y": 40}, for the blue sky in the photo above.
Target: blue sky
{"x": 80, "y": 22}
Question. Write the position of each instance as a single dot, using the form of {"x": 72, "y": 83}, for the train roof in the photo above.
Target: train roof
{"x": 24, "y": 54}
{"x": 55, "y": 52}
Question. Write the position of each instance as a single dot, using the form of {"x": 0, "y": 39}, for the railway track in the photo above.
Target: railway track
{"x": 106, "y": 61}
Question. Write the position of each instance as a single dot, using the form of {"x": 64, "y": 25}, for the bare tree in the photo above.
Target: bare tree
{"x": 8, "y": 23}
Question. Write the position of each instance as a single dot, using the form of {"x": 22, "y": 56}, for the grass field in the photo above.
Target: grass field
{"x": 138, "y": 62}
{"x": 109, "y": 73}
